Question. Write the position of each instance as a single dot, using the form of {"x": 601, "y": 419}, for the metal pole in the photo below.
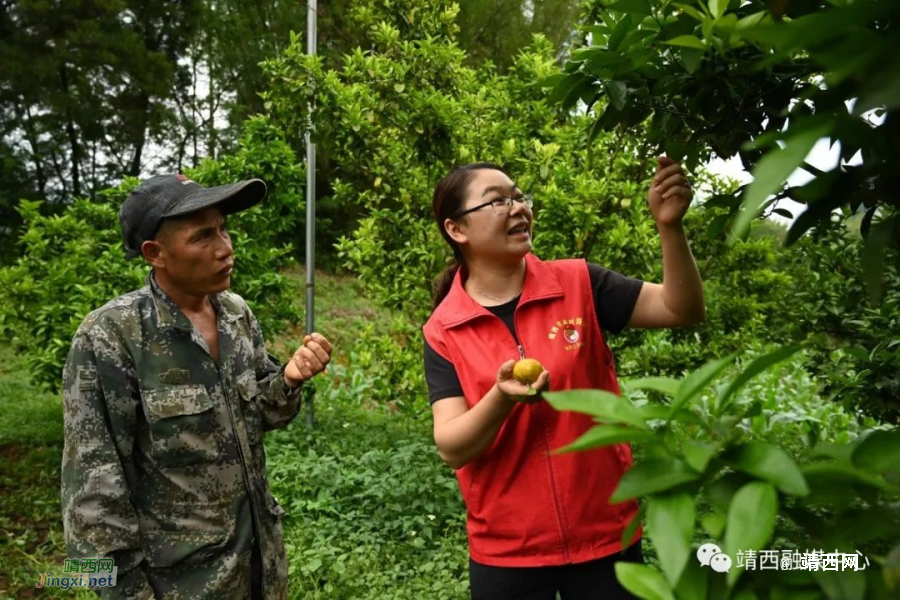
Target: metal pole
{"x": 310, "y": 204}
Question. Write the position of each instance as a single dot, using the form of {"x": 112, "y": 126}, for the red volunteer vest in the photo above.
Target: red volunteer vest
{"x": 526, "y": 507}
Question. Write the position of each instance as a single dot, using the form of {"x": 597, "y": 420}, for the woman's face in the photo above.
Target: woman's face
{"x": 497, "y": 230}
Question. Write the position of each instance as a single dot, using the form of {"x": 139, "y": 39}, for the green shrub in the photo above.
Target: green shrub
{"x": 70, "y": 265}
{"x": 73, "y": 263}
{"x": 398, "y": 115}
{"x": 709, "y": 459}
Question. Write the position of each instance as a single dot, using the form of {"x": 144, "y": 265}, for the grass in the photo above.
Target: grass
{"x": 341, "y": 311}
{"x": 27, "y": 414}
{"x": 31, "y": 439}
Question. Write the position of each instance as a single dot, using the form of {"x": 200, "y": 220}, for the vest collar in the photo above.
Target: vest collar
{"x": 540, "y": 283}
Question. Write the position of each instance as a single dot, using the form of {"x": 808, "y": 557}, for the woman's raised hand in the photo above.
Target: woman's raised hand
{"x": 670, "y": 192}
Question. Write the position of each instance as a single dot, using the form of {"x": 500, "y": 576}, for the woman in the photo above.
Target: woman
{"x": 538, "y": 523}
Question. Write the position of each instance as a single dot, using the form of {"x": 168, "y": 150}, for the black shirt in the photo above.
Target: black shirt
{"x": 614, "y": 299}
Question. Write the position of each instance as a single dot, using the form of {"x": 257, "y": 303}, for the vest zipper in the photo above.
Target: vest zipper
{"x": 549, "y": 462}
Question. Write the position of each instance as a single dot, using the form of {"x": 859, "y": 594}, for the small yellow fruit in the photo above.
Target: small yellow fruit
{"x": 527, "y": 370}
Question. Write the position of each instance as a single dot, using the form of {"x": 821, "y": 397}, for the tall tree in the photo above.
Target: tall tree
{"x": 765, "y": 81}
{"x": 497, "y": 31}
{"x": 85, "y": 85}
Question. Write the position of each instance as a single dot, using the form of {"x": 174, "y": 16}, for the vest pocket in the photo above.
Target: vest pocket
{"x": 171, "y": 548}
{"x": 182, "y": 423}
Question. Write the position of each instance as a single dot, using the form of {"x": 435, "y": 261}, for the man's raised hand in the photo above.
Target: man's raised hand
{"x": 310, "y": 358}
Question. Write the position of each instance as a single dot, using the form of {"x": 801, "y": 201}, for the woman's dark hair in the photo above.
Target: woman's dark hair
{"x": 448, "y": 198}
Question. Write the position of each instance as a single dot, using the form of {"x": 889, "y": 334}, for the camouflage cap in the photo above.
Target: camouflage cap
{"x": 164, "y": 196}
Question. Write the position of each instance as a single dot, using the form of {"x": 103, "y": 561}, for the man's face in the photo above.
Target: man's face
{"x": 196, "y": 253}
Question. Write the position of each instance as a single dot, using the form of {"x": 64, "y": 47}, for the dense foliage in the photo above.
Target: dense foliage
{"x": 395, "y": 119}
{"x": 73, "y": 263}
{"x": 765, "y": 81}
{"x": 716, "y": 458}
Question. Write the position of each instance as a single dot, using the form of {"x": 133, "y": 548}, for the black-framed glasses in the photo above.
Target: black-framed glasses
{"x": 500, "y": 206}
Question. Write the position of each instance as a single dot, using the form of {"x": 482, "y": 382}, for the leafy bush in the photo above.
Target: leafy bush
{"x": 705, "y": 463}
{"x": 397, "y": 116}
{"x": 392, "y": 365}
{"x": 856, "y": 343}
{"x": 73, "y": 263}
{"x": 70, "y": 265}
{"x": 265, "y": 154}
{"x": 765, "y": 81}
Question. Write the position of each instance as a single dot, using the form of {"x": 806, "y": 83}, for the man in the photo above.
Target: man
{"x": 167, "y": 393}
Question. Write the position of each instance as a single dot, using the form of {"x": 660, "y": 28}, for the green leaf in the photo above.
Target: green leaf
{"x": 842, "y": 453}
{"x": 751, "y": 20}
{"x": 691, "y": 58}
{"x": 581, "y": 89}
{"x": 751, "y": 521}
{"x": 597, "y": 403}
{"x": 694, "y": 383}
{"x": 632, "y": 527}
{"x": 771, "y": 173}
{"x": 664, "y": 385}
{"x": 637, "y": 7}
{"x": 891, "y": 569}
{"x": 654, "y": 411}
{"x": 651, "y": 477}
{"x": 694, "y": 581}
{"x": 617, "y": 92}
{"x": 770, "y": 463}
{"x": 690, "y": 10}
{"x": 564, "y": 86}
{"x": 596, "y": 128}
{"x": 720, "y": 492}
{"x": 756, "y": 367}
{"x": 839, "y": 477}
{"x": 606, "y": 435}
{"x": 717, "y": 7}
{"x": 621, "y": 30}
{"x": 670, "y": 524}
{"x": 713, "y": 523}
{"x": 583, "y": 54}
{"x": 698, "y": 454}
{"x": 643, "y": 581}
{"x": 552, "y": 80}
{"x": 878, "y": 452}
{"x": 878, "y": 523}
{"x": 688, "y": 41}
{"x": 878, "y": 240}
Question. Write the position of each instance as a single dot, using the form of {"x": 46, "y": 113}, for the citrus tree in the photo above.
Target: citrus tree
{"x": 763, "y": 81}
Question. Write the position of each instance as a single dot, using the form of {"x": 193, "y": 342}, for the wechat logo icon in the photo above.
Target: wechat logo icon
{"x": 710, "y": 555}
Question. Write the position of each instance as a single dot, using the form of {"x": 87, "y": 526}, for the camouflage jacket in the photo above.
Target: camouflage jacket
{"x": 164, "y": 468}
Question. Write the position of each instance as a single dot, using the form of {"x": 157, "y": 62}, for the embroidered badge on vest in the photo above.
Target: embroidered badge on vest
{"x": 570, "y": 330}
{"x": 175, "y": 376}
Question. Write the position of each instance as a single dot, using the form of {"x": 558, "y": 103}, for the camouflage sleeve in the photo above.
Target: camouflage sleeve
{"x": 99, "y": 391}
{"x": 277, "y": 402}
